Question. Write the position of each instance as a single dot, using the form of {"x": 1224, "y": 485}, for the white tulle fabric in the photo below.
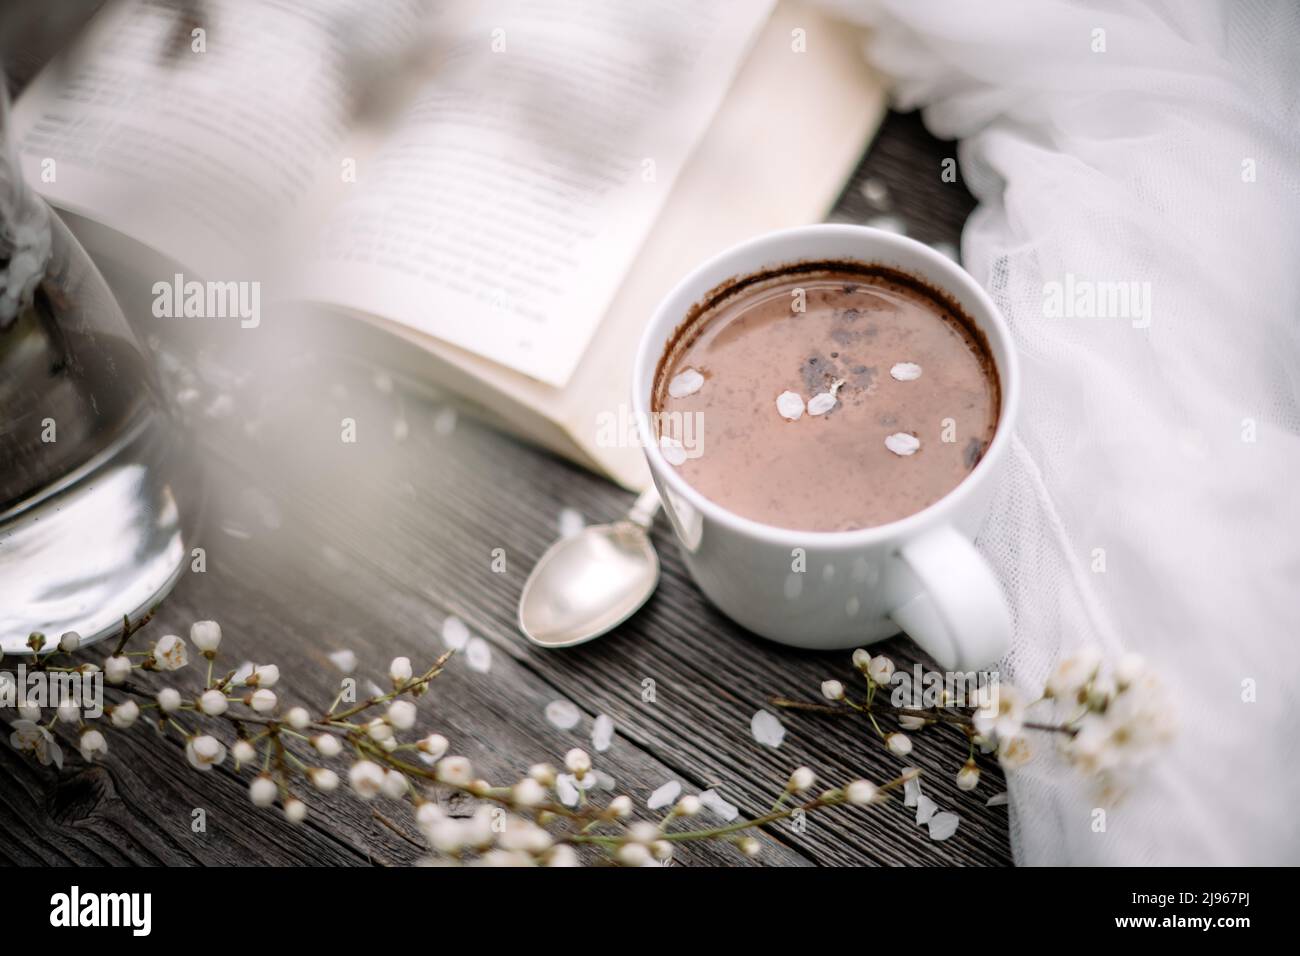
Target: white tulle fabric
{"x": 1170, "y": 452}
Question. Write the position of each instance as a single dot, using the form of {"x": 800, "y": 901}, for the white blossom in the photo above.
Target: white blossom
{"x": 205, "y": 636}
{"x": 800, "y": 780}
{"x": 169, "y": 700}
{"x": 117, "y": 669}
{"x": 327, "y": 745}
{"x": 860, "y": 792}
{"x": 243, "y": 752}
{"x": 69, "y": 642}
{"x": 69, "y": 711}
{"x": 401, "y": 714}
{"x": 899, "y": 744}
{"x": 968, "y": 777}
{"x": 366, "y": 778}
{"x": 543, "y": 773}
{"x": 880, "y": 670}
{"x": 433, "y": 747}
{"x": 750, "y": 847}
{"x": 528, "y": 792}
{"x": 1073, "y": 673}
{"x": 633, "y": 854}
{"x": 267, "y": 675}
{"x": 562, "y": 855}
{"x": 1003, "y": 715}
{"x": 213, "y": 702}
{"x": 263, "y": 701}
{"x": 1129, "y": 669}
{"x": 524, "y": 835}
{"x": 862, "y": 659}
{"x": 643, "y": 832}
{"x": 323, "y": 779}
{"x": 204, "y": 752}
{"x": 379, "y": 730}
{"x": 428, "y": 812}
{"x": 457, "y": 771}
{"x": 295, "y": 811}
{"x": 688, "y": 806}
{"x": 32, "y": 736}
{"x": 394, "y": 785}
{"x": 621, "y": 806}
{"x": 124, "y": 714}
{"x": 170, "y": 653}
{"x": 262, "y": 791}
{"x": 1014, "y": 752}
{"x": 832, "y": 690}
{"x": 399, "y": 671}
{"x": 298, "y": 718}
{"x": 577, "y": 762}
{"x": 92, "y": 745}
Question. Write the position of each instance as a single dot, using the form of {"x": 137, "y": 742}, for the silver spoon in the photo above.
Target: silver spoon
{"x": 587, "y": 584}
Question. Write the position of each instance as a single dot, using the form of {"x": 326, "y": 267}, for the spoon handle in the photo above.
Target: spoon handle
{"x": 645, "y": 508}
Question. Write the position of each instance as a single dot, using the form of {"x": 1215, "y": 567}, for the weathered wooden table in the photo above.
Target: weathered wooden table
{"x": 314, "y": 546}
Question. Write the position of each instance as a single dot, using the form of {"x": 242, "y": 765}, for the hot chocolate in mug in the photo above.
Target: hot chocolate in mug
{"x": 834, "y": 589}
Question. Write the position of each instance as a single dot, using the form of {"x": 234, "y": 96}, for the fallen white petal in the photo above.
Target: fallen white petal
{"x": 997, "y": 800}
{"x": 478, "y": 655}
{"x": 821, "y": 403}
{"x": 344, "y": 660}
{"x": 943, "y": 825}
{"x": 455, "y": 635}
{"x": 925, "y": 809}
{"x": 562, "y": 714}
{"x": 685, "y": 383}
{"x": 712, "y": 801}
{"x": 901, "y": 443}
{"x": 767, "y": 729}
{"x": 911, "y": 791}
{"x": 602, "y": 733}
{"x": 571, "y": 522}
{"x": 566, "y": 790}
{"x": 906, "y": 371}
{"x": 672, "y": 449}
{"x": 790, "y": 405}
{"x": 665, "y": 795}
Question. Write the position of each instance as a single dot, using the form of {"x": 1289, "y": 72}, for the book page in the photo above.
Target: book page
{"x": 199, "y": 132}
{"x": 778, "y": 153}
{"x": 509, "y": 203}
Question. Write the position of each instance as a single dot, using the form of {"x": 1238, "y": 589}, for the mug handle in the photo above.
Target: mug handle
{"x": 960, "y": 618}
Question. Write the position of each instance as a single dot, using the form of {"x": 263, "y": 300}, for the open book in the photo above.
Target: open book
{"x": 508, "y": 186}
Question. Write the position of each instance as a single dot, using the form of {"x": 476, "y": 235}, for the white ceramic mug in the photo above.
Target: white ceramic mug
{"x": 920, "y": 574}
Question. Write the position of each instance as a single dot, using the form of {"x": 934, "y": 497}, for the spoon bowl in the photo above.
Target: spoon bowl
{"x": 587, "y": 584}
